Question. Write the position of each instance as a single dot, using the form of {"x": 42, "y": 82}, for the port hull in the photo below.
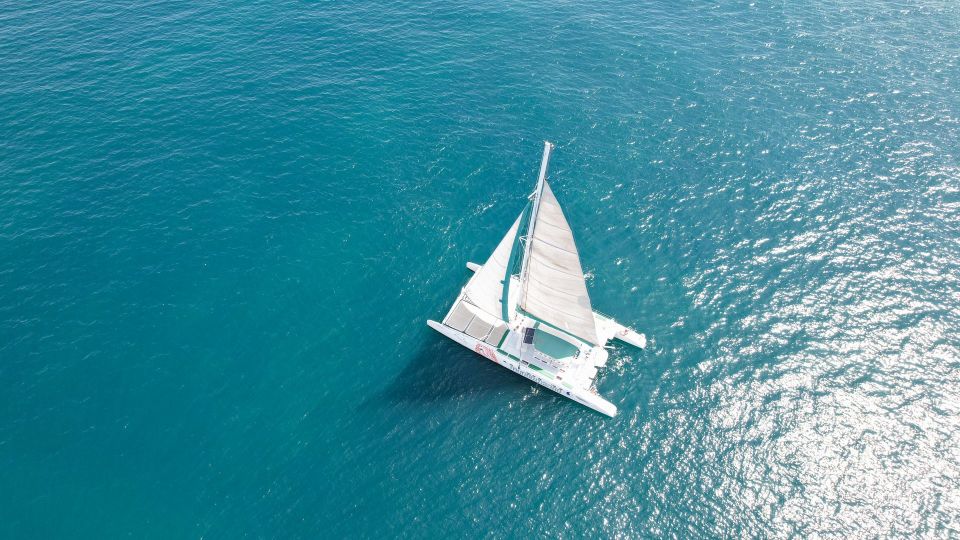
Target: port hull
{"x": 583, "y": 396}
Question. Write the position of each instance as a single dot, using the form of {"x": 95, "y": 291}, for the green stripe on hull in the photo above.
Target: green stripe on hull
{"x": 534, "y": 367}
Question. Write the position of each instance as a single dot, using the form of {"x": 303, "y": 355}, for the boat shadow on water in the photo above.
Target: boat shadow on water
{"x": 440, "y": 370}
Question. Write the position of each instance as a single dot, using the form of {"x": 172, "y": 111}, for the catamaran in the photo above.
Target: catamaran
{"x": 537, "y": 320}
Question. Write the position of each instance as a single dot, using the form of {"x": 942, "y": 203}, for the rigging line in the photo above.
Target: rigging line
{"x": 543, "y": 284}
{"x": 559, "y": 270}
{"x": 543, "y": 220}
{"x": 558, "y": 247}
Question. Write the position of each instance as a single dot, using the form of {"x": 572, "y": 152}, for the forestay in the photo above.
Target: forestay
{"x": 554, "y": 289}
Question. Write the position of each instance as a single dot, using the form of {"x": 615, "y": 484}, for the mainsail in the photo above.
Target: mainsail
{"x": 554, "y": 289}
{"x": 486, "y": 286}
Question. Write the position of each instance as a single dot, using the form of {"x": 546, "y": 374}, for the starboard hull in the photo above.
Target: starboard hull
{"x": 580, "y": 395}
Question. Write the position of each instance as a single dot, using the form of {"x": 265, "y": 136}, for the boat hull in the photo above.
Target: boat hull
{"x": 580, "y": 395}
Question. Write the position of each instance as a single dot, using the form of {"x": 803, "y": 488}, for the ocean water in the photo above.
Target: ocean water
{"x": 223, "y": 226}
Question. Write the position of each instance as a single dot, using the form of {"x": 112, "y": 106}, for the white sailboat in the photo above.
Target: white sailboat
{"x": 527, "y": 307}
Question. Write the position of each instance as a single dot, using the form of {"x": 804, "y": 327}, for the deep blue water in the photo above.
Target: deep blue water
{"x": 224, "y": 225}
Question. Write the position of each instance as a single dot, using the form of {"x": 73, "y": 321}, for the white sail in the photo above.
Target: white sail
{"x": 554, "y": 289}
{"x": 486, "y": 287}
{"x": 550, "y": 289}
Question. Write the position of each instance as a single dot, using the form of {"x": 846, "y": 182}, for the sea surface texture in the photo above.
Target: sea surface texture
{"x": 224, "y": 225}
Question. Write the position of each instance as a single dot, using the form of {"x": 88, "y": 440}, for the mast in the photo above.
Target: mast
{"x": 547, "y": 148}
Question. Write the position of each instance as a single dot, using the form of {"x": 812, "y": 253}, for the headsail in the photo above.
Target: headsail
{"x": 554, "y": 289}
{"x": 486, "y": 287}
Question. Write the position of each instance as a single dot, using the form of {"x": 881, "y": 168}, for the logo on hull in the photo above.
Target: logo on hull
{"x": 486, "y": 351}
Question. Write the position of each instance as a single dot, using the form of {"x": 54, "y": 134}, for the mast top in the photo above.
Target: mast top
{"x": 544, "y": 163}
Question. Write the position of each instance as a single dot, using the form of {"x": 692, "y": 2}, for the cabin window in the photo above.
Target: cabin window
{"x": 528, "y": 335}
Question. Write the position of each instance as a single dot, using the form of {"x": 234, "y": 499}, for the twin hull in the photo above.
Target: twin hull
{"x": 580, "y": 395}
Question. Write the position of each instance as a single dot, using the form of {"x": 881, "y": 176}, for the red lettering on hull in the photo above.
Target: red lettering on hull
{"x": 486, "y": 351}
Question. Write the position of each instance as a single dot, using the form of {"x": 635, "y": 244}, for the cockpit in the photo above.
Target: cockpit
{"x": 550, "y": 344}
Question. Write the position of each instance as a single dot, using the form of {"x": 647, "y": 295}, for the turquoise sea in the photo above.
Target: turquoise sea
{"x": 223, "y": 226}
